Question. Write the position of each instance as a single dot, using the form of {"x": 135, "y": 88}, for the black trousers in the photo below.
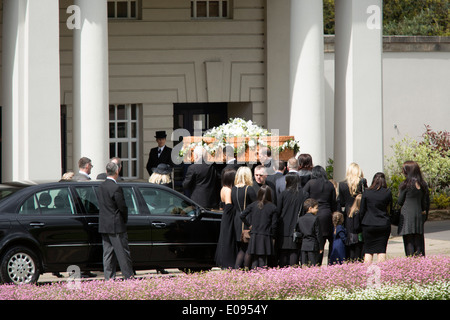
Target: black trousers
{"x": 310, "y": 258}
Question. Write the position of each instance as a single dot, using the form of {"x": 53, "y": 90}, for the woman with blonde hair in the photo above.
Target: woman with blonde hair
{"x": 353, "y": 185}
{"x": 354, "y": 241}
{"x": 242, "y": 195}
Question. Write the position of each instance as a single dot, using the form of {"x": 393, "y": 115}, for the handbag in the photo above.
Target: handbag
{"x": 245, "y": 234}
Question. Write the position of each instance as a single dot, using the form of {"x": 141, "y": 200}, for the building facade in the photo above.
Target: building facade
{"x": 98, "y": 78}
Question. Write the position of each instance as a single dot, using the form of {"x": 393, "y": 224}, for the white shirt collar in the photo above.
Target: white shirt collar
{"x": 111, "y": 178}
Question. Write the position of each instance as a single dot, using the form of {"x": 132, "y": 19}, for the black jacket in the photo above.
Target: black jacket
{"x": 311, "y": 234}
{"x": 375, "y": 207}
{"x": 113, "y": 214}
{"x": 153, "y": 160}
{"x": 203, "y": 181}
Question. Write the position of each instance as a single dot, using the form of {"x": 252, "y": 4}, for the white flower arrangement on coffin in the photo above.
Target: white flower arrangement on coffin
{"x": 238, "y": 128}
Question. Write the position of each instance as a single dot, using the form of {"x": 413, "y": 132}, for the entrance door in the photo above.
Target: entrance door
{"x": 209, "y": 114}
{"x": 185, "y": 114}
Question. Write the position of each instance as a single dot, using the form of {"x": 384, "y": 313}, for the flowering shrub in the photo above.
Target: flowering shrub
{"x": 401, "y": 278}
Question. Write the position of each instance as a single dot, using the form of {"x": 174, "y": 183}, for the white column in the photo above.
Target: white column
{"x": 90, "y": 85}
{"x": 358, "y": 87}
{"x": 278, "y": 17}
{"x": 31, "y": 146}
{"x": 307, "y": 114}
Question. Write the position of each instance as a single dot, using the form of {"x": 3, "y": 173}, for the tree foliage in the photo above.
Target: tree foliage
{"x": 405, "y": 17}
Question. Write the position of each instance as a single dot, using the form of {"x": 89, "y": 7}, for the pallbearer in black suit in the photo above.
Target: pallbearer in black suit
{"x": 159, "y": 154}
{"x": 113, "y": 217}
{"x": 202, "y": 181}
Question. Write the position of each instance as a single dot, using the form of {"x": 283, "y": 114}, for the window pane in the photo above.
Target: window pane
{"x": 121, "y": 112}
{"x": 133, "y": 9}
{"x": 133, "y": 112}
{"x": 134, "y": 150}
{"x": 214, "y": 9}
{"x": 134, "y": 168}
{"x": 30, "y": 206}
{"x": 112, "y": 150}
{"x": 161, "y": 202}
{"x": 112, "y": 112}
{"x": 224, "y": 9}
{"x": 133, "y": 130}
{"x": 122, "y": 151}
{"x": 125, "y": 171}
{"x": 122, "y": 130}
{"x": 122, "y": 9}
{"x": 88, "y": 199}
{"x": 111, "y": 10}
{"x": 130, "y": 200}
{"x": 112, "y": 130}
{"x": 201, "y": 9}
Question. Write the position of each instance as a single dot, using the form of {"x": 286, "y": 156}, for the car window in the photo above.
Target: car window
{"x": 130, "y": 200}
{"x": 49, "y": 202}
{"x": 88, "y": 199}
{"x": 162, "y": 202}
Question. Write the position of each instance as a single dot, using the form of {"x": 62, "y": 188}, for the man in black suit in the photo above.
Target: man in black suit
{"x": 159, "y": 154}
{"x": 203, "y": 181}
{"x": 113, "y": 217}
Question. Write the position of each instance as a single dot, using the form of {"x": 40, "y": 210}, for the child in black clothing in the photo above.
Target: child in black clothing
{"x": 309, "y": 228}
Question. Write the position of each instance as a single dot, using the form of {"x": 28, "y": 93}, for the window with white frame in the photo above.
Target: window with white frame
{"x": 124, "y": 137}
{"x": 122, "y": 9}
{"x": 210, "y": 9}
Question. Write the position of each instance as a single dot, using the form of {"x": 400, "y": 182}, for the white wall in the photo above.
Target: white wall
{"x": 416, "y": 88}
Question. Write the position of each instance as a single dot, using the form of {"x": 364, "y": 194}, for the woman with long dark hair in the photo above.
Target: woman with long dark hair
{"x": 376, "y": 203}
{"x": 415, "y": 202}
{"x": 227, "y": 246}
{"x": 305, "y": 166}
{"x": 263, "y": 216}
{"x": 323, "y": 191}
{"x": 289, "y": 205}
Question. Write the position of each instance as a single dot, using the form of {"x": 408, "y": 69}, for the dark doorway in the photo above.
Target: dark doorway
{"x": 209, "y": 114}
{"x": 185, "y": 114}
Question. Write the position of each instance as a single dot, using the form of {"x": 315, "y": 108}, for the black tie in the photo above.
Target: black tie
{"x": 159, "y": 152}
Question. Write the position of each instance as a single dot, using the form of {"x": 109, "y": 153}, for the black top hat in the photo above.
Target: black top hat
{"x": 162, "y": 168}
{"x": 160, "y": 134}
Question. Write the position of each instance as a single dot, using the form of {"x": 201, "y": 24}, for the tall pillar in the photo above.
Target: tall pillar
{"x": 90, "y": 85}
{"x": 31, "y": 137}
{"x": 307, "y": 113}
{"x": 358, "y": 87}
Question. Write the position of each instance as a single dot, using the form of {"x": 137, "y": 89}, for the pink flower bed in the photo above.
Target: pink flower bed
{"x": 285, "y": 283}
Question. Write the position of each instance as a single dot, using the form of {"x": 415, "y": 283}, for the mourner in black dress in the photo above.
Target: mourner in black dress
{"x": 376, "y": 203}
{"x": 263, "y": 217}
{"x": 289, "y": 206}
{"x": 353, "y": 185}
{"x": 227, "y": 246}
{"x": 322, "y": 190}
{"x": 414, "y": 199}
{"x": 242, "y": 195}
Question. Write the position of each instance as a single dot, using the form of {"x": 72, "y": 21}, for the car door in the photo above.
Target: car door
{"x": 180, "y": 238}
{"x": 138, "y": 227}
{"x": 51, "y": 218}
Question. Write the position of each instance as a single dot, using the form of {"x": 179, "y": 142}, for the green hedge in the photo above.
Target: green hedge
{"x": 405, "y": 17}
